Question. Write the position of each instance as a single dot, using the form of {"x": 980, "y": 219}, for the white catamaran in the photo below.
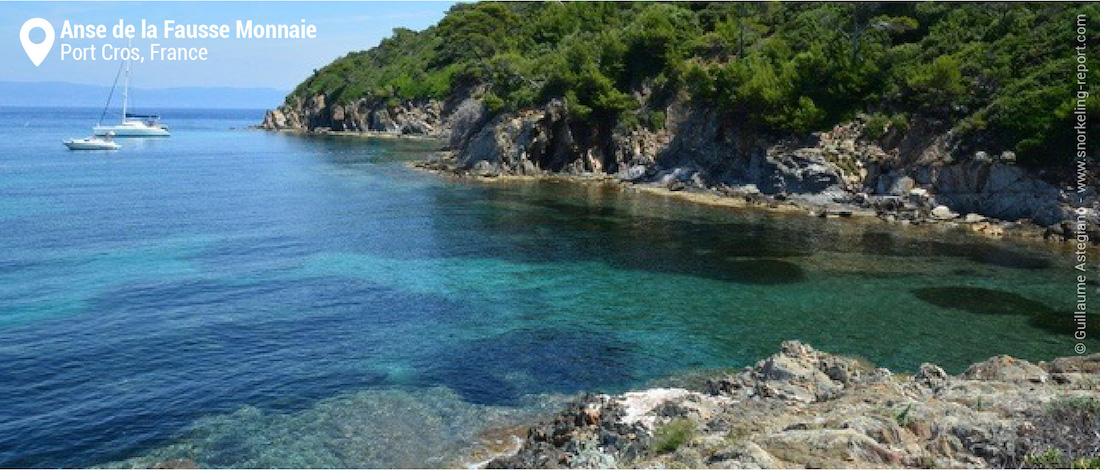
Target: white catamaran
{"x": 132, "y": 125}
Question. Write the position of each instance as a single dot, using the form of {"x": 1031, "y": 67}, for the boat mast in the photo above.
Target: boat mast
{"x": 114, "y": 86}
{"x": 126, "y": 87}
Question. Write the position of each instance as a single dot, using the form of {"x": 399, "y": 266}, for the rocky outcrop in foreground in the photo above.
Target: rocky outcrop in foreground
{"x": 803, "y": 408}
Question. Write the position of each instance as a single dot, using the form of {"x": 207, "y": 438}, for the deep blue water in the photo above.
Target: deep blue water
{"x": 242, "y": 298}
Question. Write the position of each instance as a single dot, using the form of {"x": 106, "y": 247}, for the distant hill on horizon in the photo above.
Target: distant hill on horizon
{"x": 63, "y": 94}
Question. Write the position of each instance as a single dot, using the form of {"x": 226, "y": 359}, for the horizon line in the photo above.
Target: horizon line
{"x": 153, "y": 87}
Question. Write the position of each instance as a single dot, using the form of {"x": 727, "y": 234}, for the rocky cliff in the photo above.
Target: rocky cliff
{"x": 803, "y": 408}
{"x": 916, "y": 174}
{"x": 911, "y": 176}
{"x": 316, "y": 114}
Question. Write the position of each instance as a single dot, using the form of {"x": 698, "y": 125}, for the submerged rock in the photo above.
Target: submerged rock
{"x": 980, "y": 300}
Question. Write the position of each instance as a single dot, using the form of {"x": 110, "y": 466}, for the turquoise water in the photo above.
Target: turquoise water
{"x": 240, "y": 298}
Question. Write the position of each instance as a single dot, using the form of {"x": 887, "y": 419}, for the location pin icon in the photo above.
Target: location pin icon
{"x": 37, "y": 52}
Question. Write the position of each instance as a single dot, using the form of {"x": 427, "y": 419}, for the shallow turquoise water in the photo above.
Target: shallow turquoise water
{"x": 240, "y": 298}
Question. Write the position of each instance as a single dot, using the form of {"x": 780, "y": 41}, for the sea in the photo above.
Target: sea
{"x": 230, "y": 297}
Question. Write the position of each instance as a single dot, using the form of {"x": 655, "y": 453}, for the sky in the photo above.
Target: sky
{"x": 342, "y": 27}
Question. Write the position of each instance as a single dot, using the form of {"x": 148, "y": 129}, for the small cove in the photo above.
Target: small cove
{"x": 249, "y": 299}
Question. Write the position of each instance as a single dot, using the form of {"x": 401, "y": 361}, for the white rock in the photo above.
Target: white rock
{"x": 901, "y": 186}
{"x": 638, "y": 404}
{"x": 943, "y": 213}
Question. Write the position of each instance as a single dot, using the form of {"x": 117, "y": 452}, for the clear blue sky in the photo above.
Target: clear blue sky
{"x": 342, "y": 27}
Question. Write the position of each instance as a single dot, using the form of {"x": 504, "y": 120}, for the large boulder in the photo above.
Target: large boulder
{"x": 802, "y": 171}
{"x": 531, "y": 142}
{"x": 1005, "y": 369}
{"x": 803, "y": 374}
{"x": 284, "y": 117}
{"x": 997, "y": 190}
{"x": 274, "y": 119}
{"x": 830, "y": 448}
{"x": 338, "y": 117}
{"x": 380, "y": 121}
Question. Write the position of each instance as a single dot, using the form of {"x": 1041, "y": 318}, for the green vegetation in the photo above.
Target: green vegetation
{"x": 673, "y": 434}
{"x": 879, "y": 124}
{"x": 1085, "y": 407}
{"x": 1002, "y": 75}
{"x": 1050, "y": 458}
{"x": 1053, "y": 458}
{"x": 1065, "y": 434}
{"x": 1087, "y": 462}
{"x": 902, "y": 417}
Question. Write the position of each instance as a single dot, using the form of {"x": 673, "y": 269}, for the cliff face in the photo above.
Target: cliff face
{"x": 803, "y": 408}
{"x": 316, "y": 114}
{"x": 912, "y": 175}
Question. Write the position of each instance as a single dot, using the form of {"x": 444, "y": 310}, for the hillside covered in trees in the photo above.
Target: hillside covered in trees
{"x": 996, "y": 76}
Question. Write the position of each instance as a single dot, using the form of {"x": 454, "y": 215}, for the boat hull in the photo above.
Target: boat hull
{"x": 132, "y": 131}
{"x": 86, "y": 144}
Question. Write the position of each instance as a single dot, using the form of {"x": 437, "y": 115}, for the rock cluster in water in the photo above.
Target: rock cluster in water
{"x": 803, "y": 408}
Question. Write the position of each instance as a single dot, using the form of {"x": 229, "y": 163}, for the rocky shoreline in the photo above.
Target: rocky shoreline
{"x": 318, "y": 115}
{"x": 899, "y": 215}
{"x": 913, "y": 176}
{"x": 803, "y": 408}
{"x": 357, "y": 134}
